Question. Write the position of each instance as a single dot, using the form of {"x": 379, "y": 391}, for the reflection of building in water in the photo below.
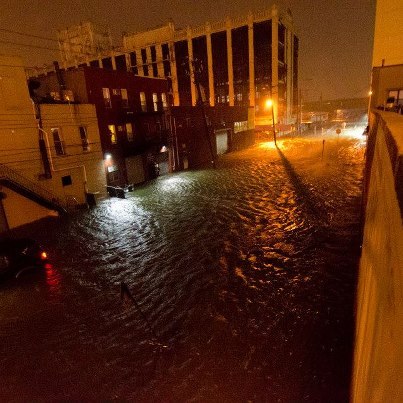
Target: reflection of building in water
{"x": 243, "y": 61}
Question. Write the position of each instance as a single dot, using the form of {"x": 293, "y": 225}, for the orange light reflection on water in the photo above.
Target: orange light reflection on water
{"x": 269, "y": 145}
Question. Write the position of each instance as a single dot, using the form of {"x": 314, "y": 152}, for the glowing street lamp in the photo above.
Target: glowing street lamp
{"x": 269, "y": 104}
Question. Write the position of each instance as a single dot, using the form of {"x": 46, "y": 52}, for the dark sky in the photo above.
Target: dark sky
{"x": 335, "y": 35}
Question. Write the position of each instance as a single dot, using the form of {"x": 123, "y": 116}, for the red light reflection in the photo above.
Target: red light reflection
{"x": 52, "y": 279}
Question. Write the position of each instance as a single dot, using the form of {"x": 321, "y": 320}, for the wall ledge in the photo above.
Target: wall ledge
{"x": 392, "y": 127}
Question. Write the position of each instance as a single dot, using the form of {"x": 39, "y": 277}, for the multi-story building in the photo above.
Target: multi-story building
{"x": 130, "y": 115}
{"x": 387, "y": 61}
{"x": 239, "y": 62}
{"x": 50, "y": 155}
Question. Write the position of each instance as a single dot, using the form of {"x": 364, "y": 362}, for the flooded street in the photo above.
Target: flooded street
{"x": 246, "y": 275}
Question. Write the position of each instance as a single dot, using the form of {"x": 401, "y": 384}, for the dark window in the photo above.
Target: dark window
{"x": 58, "y": 142}
{"x": 281, "y": 33}
{"x": 281, "y": 42}
{"x": 84, "y": 138}
{"x": 200, "y": 64}
{"x": 153, "y": 54}
{"x": 295, "y": 71}
{"x": 107, "y": 63}
{"x": 240, "y": 56}
{"x": 144, "y": 59}
{"x": 165, "y": 51}
{"x": 165, "y": 58}
{"x": 262, "y": 42}
{"x": 121, "y": 62}
{"x": 182, "y": 67}
{"x": 66, "y": 180}
{"x": 94, "y": 63}
{"x": 220, "y": 65}
{"x": 154, "y": 61}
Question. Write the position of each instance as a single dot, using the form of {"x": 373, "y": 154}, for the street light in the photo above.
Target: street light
{"x": 269, "y": 104}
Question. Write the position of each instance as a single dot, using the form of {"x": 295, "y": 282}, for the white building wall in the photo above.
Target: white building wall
{"x": 86, "y": 167}
{"x": 18, "y": 127}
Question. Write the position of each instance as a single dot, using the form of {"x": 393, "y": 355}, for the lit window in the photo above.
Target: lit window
{"x": 125, "y": 99}
{"x": 112, "y": 133}
{"x": 143, "y": 101}
{"x": 107, "y": 97}
{"x": 116, "y": 91}
{"x": 58, "y": 142}
{"x": 155, "y": 102}
{"x": 129, "y": 132}
{"x": 84, "y": 138}
{"x": 164, "y": 101}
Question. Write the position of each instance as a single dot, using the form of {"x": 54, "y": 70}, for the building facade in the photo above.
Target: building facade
{"x": 44, "y": 166}
{"x": 130, "y": 113}
{"x": 239, "y": 62}
{"x": 387, "y": 61}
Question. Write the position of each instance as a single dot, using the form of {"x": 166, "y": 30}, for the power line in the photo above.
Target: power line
{"x": 44, "y": 47}
{"x": 30, "y": 35}
{"x": 28, "y": 46}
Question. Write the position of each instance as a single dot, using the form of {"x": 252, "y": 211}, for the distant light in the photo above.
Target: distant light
{"x": 108, "y": 156}
{"x": 269, "y": 103}
{"x": 164, "y": 149}
{"x": 44, "y": 255}
{"x": 370, "y": 93}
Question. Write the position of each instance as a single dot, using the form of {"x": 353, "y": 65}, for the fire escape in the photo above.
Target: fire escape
{"x": 30, "y": 189}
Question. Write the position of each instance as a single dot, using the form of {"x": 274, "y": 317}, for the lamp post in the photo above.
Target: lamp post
{"x": 269, "y": 104}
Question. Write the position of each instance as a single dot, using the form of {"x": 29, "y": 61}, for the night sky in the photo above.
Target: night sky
{"x": 335, "y": 35}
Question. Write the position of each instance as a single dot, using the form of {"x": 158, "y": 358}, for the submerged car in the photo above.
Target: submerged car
{"x": 19, "y": 255}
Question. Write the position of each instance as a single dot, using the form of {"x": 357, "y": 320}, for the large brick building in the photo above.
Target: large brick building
{"x": 243, "y": 60}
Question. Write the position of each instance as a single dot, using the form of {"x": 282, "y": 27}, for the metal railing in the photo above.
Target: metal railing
{"x": 31, "y": 187}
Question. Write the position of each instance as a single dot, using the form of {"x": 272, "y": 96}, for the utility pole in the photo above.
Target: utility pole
{"x": 274, "y": 125}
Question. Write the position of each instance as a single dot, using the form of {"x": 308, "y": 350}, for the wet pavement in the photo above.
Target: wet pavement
{"x": 246, "y": 275}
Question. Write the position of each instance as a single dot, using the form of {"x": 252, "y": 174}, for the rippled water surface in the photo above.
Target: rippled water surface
{"x": 246, "y": 275}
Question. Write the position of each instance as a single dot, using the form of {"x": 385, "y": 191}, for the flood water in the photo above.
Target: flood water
{"x": 245, "y": 273}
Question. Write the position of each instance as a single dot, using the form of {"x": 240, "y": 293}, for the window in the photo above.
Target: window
{"x": 240, "y": 126}
{"x": 144, "y": 59}
{"x": 116, "y": 91}
{"x": 57, "y": 139}
{"x": 155, "y": 102}
{"x": 164, "y": 101}
{"x": 84, "y": 138}
{"x": 107, "y": 97}
{"x": 112, "y": 133}
{"x": 125, "y": 99}
{"x": 143, "y": 101}
{"x": 129, "y": 132}
{"x": 66, "y": 180}
{"x": 397, "y": 95}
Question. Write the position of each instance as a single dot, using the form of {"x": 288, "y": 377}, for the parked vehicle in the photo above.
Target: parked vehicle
{"x": 20, "y": 255}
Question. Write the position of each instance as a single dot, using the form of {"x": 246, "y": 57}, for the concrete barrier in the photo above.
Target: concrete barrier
{"x": 378, "y": 355}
